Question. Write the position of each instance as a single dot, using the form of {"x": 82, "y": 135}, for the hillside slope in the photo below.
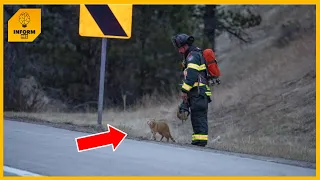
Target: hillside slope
{"x": 267, "y": 99}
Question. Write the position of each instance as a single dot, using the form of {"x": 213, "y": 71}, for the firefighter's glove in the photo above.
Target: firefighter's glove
{"x": 184, "y": 97}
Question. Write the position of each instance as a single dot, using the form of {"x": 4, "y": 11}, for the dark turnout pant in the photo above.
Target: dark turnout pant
{"x": 199, "y": 118}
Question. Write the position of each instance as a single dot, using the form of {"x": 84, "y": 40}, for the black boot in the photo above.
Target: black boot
{"x": 198, "y": 144}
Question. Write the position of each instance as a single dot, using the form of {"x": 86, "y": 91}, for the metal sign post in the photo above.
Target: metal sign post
{"x": 102, "y": 78}
{"x": 105, "y": 21}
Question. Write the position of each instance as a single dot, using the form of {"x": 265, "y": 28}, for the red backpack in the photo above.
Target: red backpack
{"x": 211, "y": 63}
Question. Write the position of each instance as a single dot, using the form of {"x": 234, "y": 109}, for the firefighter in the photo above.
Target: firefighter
{"x": 195, "y": 90}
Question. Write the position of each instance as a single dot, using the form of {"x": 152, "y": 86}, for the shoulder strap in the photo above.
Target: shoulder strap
{"x": 200, "y": 51}
{"x": 202, "y": 61}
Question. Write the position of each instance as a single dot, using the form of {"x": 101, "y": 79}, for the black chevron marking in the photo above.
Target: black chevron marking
{"x": 106, "y": 20}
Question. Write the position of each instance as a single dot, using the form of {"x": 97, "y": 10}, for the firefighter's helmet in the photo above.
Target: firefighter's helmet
{"x": 180, "y": 40}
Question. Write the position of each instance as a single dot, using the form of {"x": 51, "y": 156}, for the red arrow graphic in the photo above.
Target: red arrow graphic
{"x": 112, "y": 137}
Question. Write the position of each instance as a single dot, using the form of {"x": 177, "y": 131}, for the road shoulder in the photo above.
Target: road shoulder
{"x": 10, "y": 171}
{"x": 91, "y": 129}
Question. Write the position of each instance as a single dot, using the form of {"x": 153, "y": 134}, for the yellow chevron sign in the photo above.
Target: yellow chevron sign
{"x": 107, "y": 21}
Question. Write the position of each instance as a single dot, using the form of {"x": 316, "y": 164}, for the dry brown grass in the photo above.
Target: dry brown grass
{"x": 134, "y": 123}
{"x": 265, "y": 104}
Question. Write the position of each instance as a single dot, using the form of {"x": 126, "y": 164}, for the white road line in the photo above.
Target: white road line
{"x": 18, "y": 172}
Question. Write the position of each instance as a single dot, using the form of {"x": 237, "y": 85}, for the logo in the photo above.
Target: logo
{"x": 189, "y": 57}
{"x": 24, "y": 25}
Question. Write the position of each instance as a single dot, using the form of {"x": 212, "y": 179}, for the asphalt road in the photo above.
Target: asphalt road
{"x": 50, "y": 151}
{"x": 9, "y": 174}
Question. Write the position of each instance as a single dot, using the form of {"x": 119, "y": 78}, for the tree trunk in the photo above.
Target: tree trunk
{"x": 210, "y": 23}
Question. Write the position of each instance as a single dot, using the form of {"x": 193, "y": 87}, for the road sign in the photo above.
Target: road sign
{"x": 106, "y": 21}
{"x": 24, "y": 25}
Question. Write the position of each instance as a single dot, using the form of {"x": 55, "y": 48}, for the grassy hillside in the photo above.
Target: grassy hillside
{"x": 267, "y": 101}
{"x": 265, "y": 104}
